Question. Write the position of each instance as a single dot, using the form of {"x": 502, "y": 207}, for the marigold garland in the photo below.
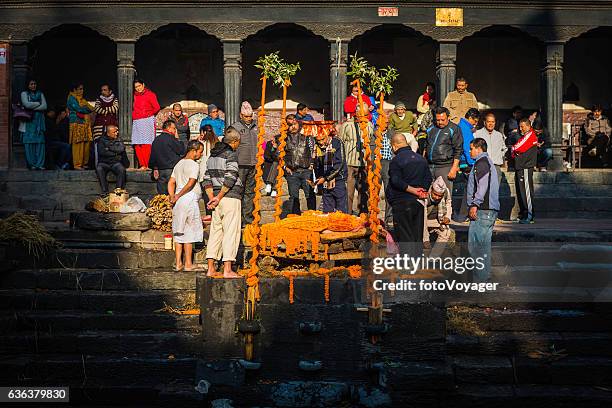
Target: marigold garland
{"x": 252, "y": 278}
{"x": 282, "y": 143}
{"x": 374, "y": 196}
{"x": 354, "y": 272}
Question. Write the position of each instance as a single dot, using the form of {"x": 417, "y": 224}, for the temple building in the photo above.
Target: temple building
{"x": 537, "y": 54}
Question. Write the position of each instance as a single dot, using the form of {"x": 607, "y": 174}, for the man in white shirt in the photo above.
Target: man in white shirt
{"x": 185, "y": 192}
{"x": 496, "y": 143}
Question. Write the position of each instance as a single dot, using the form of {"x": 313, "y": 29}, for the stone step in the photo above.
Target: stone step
{"x": 178, "y": 392}
{"x": 116, "y": 369}
{"x": 587, "y": 319}
{"x": 585, "y": 275}
{"x": 524, "y": 370}
{"x": 98, "y": 342}
{"x": 97, "y": 258}
{"x": 75, "y": 320}
{"x": 523, "y": 343}
{"x": 594, "y": 371}
{"x": 94, "y": 301}
{"x": 104, "y": 279}
{"x": 529, "y": 396}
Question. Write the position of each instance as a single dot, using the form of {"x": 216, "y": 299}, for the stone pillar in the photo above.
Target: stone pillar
{"x": 20, "y": 71}
{"x": 552, "y": 100}
{"x": 338, "y": 55}
{"x": 446, "y": 70}
{"x": 125, "y": 79}
{"x": 5, "y": 103}
{"x": 232, "y": 79}
{"x": 125, "y": 93}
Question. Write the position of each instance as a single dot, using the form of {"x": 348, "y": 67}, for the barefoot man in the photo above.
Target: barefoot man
{"x": 224, "y": 189}
{"x": 185, "y": 193}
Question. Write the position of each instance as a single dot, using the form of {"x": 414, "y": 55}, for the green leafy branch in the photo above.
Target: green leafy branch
{"x": 276, "y": 69}
{"x": 381, "y": 81}
{"x": 378, "y": 80}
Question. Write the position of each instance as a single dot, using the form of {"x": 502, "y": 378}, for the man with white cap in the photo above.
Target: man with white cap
{"x": 404, "y": 121}
{"x": 247, "y": 159}
{"x": 438, "y": 211}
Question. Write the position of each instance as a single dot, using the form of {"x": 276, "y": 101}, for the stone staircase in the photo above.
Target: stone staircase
{"x": 90, "y": 319}
{"x": 54, "y": 194}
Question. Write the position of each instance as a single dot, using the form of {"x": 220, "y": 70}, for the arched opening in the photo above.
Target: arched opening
{"x": 71, "y": 53}
{"x": 179, "y": 62}
{"x": 411, "y": 53}
{"x": 502, "y": 66}
{"x": 586, "y": 69}
{"x": 296, "y": 44}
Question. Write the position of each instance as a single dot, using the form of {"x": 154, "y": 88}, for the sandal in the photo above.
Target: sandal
{"x": 175, "y": 269}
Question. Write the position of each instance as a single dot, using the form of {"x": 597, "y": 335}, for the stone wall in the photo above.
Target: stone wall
{"x": 54, "y": 194}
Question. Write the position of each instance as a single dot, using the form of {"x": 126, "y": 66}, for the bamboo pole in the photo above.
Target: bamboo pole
{"x": 282, "y": 143}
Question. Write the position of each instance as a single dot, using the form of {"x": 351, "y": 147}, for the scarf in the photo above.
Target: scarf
{"x": 107, "y": 99}
{"x": 82, "y": 102}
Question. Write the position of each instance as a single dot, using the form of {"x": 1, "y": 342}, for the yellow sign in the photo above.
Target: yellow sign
{"x": 449, "y": 17}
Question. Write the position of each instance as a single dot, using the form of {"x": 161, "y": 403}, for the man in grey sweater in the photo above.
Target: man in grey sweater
{"x": 223, "y": 187}
{"x": 247, "y": 158}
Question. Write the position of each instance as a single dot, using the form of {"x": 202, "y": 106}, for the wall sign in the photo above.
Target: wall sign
{"x": 449, "y": 17}
{"x": 388, "y": 12}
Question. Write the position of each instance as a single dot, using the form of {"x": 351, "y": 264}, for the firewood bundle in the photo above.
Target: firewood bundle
{"x": 160, "y": 211}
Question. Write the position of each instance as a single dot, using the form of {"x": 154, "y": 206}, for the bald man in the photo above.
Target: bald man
{"x": 409, "y": 181}
{"x": 111, "y": 158}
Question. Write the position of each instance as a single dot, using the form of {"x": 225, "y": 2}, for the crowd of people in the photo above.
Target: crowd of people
{"x": 422, "y": 155}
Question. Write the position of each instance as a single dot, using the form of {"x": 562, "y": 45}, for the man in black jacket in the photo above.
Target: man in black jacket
{"x": 443, "y": 147}
{"x": 298, "y": 164}
{"x": 409, "y": 180}
{"x": 166, "y": 151}
{"x": 111, "y": 158}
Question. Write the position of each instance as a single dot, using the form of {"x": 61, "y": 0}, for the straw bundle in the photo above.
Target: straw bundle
{"x": 27, "y": 230}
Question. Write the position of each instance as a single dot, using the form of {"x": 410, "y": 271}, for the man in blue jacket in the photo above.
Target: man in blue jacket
{"x": 468, "y": 127}
{"x": 483, "y": 202}
{"x": 409, "y": 180}
{"x": 444, "y": 147}
{"x": 214, "y": 121}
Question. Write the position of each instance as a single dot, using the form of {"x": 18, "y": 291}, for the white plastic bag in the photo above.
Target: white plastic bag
{"x": 133, "y": 205}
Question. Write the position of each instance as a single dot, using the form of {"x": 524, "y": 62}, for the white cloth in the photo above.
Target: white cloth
{"x": 186, "y": 222}
{"x": 412, "y": 142}
{"x": 143, "y": 130}
{"x": 202, "y": 162}
{"x": 224, "y": 236}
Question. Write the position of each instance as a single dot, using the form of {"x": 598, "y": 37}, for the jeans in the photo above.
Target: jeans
{"x": 384, "y": 175}
{"x": 102, "y": 169}
{"x": 357, "y": 180}
{"x": 59, "y": 152}
{"x": 335, "y": 199}
{"x": 162, "y": 181}
{"x": 295, "y": 182}
{"x": 479, "y": 242}
{"x": 545, "y": 154}
{"x": 247, "y": 176}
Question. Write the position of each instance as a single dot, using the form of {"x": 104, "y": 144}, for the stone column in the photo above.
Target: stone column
{"x": 446, "y": 70}
{"x": 125, "y": 79}
{"x": 20, "y": 71}
{"x": 232, "y": 78}
{"x": 125, "y": 93}
{"x": 338, "y": 55}
{"x": 552, "y": 100}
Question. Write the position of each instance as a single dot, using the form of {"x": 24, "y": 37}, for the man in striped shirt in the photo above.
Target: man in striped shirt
{"x": 224, "y": 188}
